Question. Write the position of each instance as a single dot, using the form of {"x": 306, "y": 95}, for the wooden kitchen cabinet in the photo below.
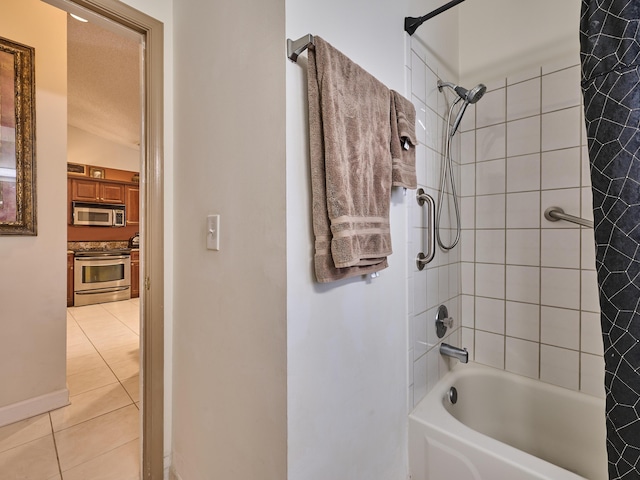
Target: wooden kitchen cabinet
{"x": 135, "y": 273}
{"x": 85, "y": 190}
{"x": 132, "y": 203}
{"x": 69, "y": 279}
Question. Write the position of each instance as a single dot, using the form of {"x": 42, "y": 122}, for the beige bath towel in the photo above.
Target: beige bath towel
{"x": 403, "y": 141}
{"x": 349, "y": 134}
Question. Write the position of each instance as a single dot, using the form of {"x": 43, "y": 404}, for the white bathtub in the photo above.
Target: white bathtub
{"x": 505, "y": 426}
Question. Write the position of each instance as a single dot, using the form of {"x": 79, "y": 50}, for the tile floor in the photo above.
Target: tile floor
{"x": 96, "y": 437}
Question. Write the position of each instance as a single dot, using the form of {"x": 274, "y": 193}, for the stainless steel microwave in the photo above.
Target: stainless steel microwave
{"x": 98, "y": 214}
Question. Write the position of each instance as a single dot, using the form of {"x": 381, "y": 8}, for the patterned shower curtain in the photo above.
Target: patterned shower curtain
{"x": 610, "y": 56}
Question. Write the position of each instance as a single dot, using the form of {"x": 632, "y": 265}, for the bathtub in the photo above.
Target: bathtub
{"x": 505, "y": 426}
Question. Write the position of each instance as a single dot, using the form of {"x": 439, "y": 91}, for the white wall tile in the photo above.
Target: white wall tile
{"x": 561, "y": 248}
{"x": 523, "y": 320}
{"x": 468, "y": 122}
{"x": 419, "y": 292}
{"x": 523, "y": 247}
{"x": 561, "y": 129}
{"x": 490, "y": 211}
{"x": 468, "y": 180}
{"x": 523, "y": 99}
{"x": 432, "y": 286}
{"x": 490, "y": 315}
{"x": 523, "y": 173}
{"x": 432, "y": 368}
{"x": 421, "y": 164}
{"x": 559, "y": 366}
{"x": 467, "y": 245}
{"x": 561, "y": 168}
{"x": 592, "y": 375}
{"x": 490, "y": 142}
{"x": 491, "y": 109}
{"x": 523, "y": 136}
{"x": 523, "y": 210}
{"x": 560, "y": 327}
{"x": 560, "y": 64}
{"x": 490, "y": 177}
{"x": 591, "y": 333}
{"x": 431, "y": 89}
{"x": 433, "y": 161}
{"x": 522, "y": 357}
{"x": 467, "y": 278}
{"x": 489, "y": 280}
{"x": 468, "y": 311}
{"x": 560, "y": 288}
{"x": 419, "y": 379}
{"x": 495, "y": 84}
{"x": 468, "y": 212}
{"x": 590, "y": 300}
{"x": 489, "y": 349}
{"x": 561, "y": 89}
{"x": 418, "y": 77}
{"x": 419, "y": 343}
{"x": 523, "y": 284}
{"x": 468, "y": 147}
{"x": 490, "y": 246}
{"x": 586, "y": 200}
{"x": 468, "y": 341}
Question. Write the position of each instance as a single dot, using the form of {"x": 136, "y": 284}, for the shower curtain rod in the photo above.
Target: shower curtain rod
{"x": 411, "y": 24}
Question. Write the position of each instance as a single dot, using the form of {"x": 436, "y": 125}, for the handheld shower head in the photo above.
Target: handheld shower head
{"x": 469, "y": 96}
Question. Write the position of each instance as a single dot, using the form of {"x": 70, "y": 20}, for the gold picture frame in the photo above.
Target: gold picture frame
{"x": 18, "y": 215}
{"x": 95, "y": 172}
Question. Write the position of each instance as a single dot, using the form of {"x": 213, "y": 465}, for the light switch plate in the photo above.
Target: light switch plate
{"x": 213, "y": 232}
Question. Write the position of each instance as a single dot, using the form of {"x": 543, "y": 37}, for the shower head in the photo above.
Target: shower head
{"x": 469, "y": 96}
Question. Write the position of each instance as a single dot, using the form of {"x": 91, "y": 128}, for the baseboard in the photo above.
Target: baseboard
{"x": 33, "y": 406}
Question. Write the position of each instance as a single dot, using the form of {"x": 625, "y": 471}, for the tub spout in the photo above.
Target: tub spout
{"x": 455, "y": 352}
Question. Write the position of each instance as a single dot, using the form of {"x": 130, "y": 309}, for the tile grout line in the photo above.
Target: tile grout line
{"x": 55, "y": 445}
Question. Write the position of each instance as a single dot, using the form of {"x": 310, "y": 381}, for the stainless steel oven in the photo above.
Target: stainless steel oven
{"x": 101, "y": 276}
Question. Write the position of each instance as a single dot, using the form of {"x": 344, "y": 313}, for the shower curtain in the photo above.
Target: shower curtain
{"x": 610, "y": 57}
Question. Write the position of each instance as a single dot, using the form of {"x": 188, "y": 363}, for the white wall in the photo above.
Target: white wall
{"x": 498, "y": 37}
{"x": 33, "y": 295}
{"x": 89, "y": 149}
{"x": 229, "y": 364}
{"x": 347, "y": 340}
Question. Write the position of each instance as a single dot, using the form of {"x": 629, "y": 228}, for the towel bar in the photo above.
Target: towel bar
{"x": 422, "y": 259}
{"x": 295, "y": 48}
{"x": 553, "y": 214}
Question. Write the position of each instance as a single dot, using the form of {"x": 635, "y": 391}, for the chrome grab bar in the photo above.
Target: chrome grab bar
{"x": 422, "y": 259}
{"x": 553, "y": 214}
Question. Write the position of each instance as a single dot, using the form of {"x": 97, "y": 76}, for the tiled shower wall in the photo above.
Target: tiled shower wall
{"x": 439, "y": 283}
{"x": 522, "y": 288}
{"x": 529, "y": 288}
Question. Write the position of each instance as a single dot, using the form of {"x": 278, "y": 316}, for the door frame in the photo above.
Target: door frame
{"x": 152, "y": 221}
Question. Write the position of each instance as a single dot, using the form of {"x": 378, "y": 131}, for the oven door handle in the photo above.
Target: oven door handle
{"x": 101, "y": 257}
{"x": 101, "y": 290}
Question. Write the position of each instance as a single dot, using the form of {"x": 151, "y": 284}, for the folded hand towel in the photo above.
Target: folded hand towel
{"x": 349, "y": 137}
{"x": 403, "y": 141}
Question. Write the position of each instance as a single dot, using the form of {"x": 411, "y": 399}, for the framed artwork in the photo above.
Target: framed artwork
{"x": 76, "y": 169}
{"x": 95, "y": 172}
{"x": 18, "y": 214}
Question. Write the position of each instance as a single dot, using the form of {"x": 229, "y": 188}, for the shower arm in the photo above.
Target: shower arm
{"x": 411, "y": 24}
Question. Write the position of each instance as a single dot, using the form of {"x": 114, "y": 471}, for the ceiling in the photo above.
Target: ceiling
{"x": 103, "y": 83}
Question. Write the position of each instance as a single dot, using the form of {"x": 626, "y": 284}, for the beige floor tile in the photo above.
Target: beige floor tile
{"x": 132, "y": 386}
{"x": 89, "y": 405}
{"x": 24, "y": 431}
{"x": 86, "y": 312}
{"x": 90, "y": 439}
{"x": 123, "y": 463}
{"x": 81, "y": 349}
{"x": 90, "y": 379}
{"x": 35, "y": 460}
{"x": 126, "y": 369}
{"x": 115, "y": 341}
{"x": 127, "y": 351}
{"x": 84, "y": 363}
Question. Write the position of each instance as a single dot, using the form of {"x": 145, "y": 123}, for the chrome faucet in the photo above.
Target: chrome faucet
{"x": 455, "y": 352}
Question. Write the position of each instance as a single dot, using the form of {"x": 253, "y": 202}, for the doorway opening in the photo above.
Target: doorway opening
{"x": 115, "y": 16}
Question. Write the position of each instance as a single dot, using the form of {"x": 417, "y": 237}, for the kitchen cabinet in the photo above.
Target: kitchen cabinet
{"x": 70, "y": 279}
{"x": 135, "y": 273}
{"x": 85, "y": 190}
{"x": 132, "y": 203}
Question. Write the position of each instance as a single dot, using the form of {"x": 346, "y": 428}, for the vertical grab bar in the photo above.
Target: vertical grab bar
{"x": 422, "y": 259}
